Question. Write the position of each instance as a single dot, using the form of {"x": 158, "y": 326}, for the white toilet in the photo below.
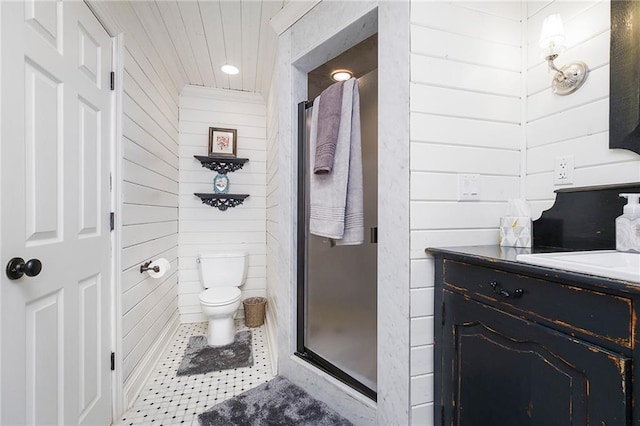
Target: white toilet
{"x": 221, "y": 275}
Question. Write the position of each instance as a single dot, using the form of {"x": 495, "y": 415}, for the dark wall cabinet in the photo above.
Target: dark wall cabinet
{"x": 519, "y": 345}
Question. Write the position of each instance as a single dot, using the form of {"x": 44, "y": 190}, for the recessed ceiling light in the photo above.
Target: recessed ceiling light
{"x": 229, "y": 69}
{"x": 341, "y": 75}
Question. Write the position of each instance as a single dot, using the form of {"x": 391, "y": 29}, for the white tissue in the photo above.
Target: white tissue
{"x": 518, "y": 207}
{"x": 515, "y": 225}
{"x": 163, "y": 265}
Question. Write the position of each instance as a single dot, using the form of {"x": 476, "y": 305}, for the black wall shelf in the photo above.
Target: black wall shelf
{"x": 222, "y": 165}
{"x": 221, "y": 201}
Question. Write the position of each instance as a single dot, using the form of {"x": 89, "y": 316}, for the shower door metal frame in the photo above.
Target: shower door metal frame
{"x": 301, "y": 350}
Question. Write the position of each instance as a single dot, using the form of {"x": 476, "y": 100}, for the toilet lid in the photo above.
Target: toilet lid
{"x": 220, "y": 296}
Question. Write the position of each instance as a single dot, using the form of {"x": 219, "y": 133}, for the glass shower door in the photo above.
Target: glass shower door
{"x": 339, "y": 282}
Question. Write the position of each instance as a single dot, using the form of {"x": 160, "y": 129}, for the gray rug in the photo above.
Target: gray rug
{"x": 277, "y": 402}
{"x": 199, "y": 358}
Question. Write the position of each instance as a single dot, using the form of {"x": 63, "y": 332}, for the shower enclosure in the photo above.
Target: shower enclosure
{"x": 337, "y": 285}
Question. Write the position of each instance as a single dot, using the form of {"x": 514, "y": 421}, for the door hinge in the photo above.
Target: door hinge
{"x": 113, "y": 361}
{"x": 112, "y": 221}
{"x": 443, "y": 312}
{"x": 113, "y": 80}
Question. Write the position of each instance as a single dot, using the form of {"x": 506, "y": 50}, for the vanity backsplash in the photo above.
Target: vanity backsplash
{"x": 582, "y": 218}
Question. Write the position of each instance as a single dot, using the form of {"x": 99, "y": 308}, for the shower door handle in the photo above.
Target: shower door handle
{"x": 374, "y": 234}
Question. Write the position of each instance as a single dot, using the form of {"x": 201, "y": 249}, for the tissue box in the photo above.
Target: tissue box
{"x": 515, "y": 231}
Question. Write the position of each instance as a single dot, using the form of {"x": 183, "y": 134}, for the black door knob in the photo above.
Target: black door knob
{"x": 17, "y": 267}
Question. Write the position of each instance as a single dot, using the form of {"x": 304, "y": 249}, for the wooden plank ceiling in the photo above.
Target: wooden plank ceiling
{"x": 194, "y": 38}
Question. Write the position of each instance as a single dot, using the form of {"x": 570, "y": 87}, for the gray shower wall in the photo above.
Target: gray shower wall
{"x": 273, "y": 206}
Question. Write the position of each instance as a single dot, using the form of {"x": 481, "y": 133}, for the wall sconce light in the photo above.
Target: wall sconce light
{"x": 570, "y": 77}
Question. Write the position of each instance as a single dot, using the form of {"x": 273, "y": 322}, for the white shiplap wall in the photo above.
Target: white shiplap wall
{"x": 149, "y": 211}
{"x": 206, "y": 229}
{"x": 272, "y": 220}
{"x": 575, "y": 125}
{"x": 465, "y": 118}
{"x": 149, "y": 198}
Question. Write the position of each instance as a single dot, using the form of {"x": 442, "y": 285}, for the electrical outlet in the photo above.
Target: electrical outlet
{"x": 563, "y": 171}
{"x": 468, "y": 187}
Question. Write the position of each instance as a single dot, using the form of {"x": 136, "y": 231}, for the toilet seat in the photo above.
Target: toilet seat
{"x": 220, "y": 296}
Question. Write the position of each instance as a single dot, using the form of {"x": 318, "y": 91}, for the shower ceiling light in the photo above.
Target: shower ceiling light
{"x": 341, "y": 75}
{"x": 229, "y": 69}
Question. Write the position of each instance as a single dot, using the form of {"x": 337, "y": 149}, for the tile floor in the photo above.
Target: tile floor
{"x": 170, "y": 400}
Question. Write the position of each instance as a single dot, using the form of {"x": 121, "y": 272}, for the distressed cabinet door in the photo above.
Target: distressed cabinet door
{"x": 498, "y": 369}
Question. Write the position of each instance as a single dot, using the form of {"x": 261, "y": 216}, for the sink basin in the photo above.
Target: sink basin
{"x": 605, "y": 263}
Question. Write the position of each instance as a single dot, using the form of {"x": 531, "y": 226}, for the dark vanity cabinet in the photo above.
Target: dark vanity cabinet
{"x": 523, "y": 345}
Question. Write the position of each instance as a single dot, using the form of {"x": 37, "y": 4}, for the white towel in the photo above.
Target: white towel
{"x": 336, "y": 200}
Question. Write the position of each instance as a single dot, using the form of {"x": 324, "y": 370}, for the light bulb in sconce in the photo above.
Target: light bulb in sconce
{"x": 570, "y": 77}
{"x": 552, "y": 36}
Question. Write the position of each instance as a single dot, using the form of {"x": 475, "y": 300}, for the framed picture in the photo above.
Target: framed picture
{"x": 222, "y": 142}
{"x": 221, "y": 184}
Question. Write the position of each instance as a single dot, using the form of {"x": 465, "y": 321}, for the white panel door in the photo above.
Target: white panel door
{"x": 54, "y": 157}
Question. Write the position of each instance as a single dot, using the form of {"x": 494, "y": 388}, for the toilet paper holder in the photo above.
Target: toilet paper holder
{"x": 145, "y": 267}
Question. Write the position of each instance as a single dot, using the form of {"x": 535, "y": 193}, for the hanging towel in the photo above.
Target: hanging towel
{"x": 329, "y": 112}
{"x": 354, "y": 210}
{"x": 336, "y": 199}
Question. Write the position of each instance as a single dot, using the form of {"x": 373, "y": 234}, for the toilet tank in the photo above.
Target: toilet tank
{"x": 222, "y": 269}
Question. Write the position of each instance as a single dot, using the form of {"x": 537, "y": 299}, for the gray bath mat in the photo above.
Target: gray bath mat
{"x": 199, "y": 358}
{"x": 277, "y": 402}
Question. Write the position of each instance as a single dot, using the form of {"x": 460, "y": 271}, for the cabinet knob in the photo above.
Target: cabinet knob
{"x": 497, "y": 289}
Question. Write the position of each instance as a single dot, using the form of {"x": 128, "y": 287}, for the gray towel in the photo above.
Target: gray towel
{"x": 329, "y": 112}
{"x": 354, "y": 210}
{"x": 336, "y": 199}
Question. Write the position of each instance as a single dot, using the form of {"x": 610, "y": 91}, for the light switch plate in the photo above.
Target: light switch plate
{"x": 468, "y": 187}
